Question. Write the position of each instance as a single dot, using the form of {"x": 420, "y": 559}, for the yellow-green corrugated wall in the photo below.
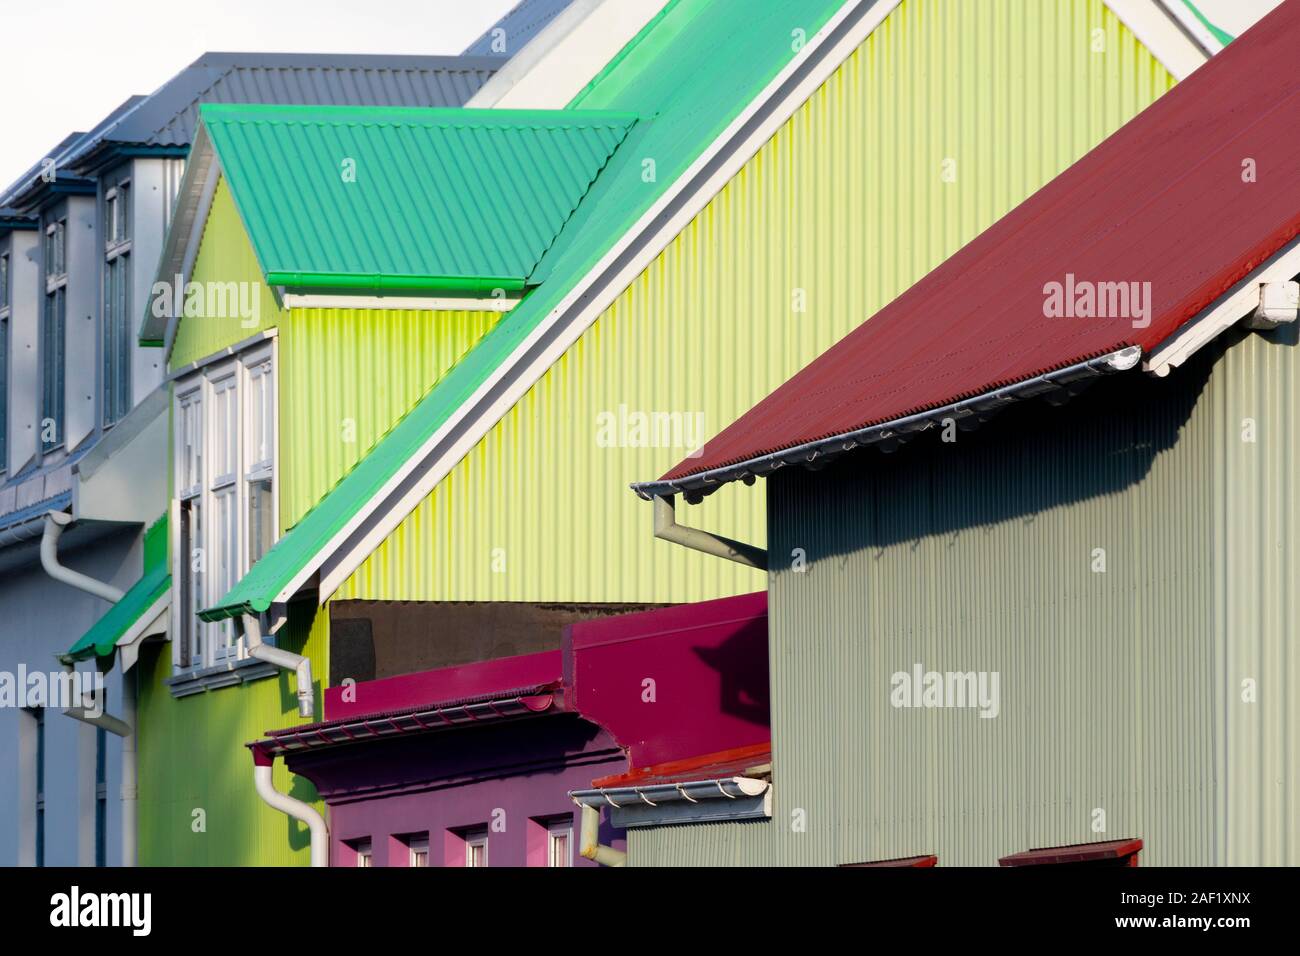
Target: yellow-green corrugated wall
{"x": 346, "y": 377}
{"x": 943, "y": 120}
{"x": 197, "y": 803}
{"x": 225, "y": 255}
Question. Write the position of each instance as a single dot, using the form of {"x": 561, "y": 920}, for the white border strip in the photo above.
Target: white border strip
{"x": 391, "y": 302}
{"x": 1161, "y": 34}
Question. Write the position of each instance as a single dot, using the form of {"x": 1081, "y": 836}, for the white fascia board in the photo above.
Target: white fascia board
{"x": 562, "y": 59}
{"x": 188, "y": 214}
{"x": 815, "y": 62}
{"x": 211, "y": 176}
{"x": 151, "y": 623}
{"x": 1162, "y": 35}
{"x": 1191, "y": 25}
{"x": 434, "y": 303}
{"x": 1236, "y": 304}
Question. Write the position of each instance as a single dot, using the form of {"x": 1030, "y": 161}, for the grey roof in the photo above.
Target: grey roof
{"x": 525, "y": 19}
{"x": 165, "y": 120}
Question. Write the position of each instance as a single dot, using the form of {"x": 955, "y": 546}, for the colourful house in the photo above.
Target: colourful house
{"x": 83, "y": 414}
{"x": 472, "y": 765}
{"x": 456, "y": 409}
{"x": 1029, "y": 527}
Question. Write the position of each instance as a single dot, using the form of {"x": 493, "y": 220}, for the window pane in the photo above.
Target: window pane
{"x": 191, "y": 439}
{"x": 261, "y": 519}
{"x": 226, "y": 434}
{"x": 53, "y": 323}
{"x": 224, "y": 551}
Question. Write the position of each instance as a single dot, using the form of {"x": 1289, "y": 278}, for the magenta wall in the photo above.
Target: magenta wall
{"x": 638, "y": 690}
{"x": 443, "y": 684}
{"x": 505, "y": 776}
{"x": 708, "y": 666}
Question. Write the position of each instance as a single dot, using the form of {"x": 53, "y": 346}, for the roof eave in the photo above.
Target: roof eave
{"x": 695, "y": 487}
{"x": 696, "y": 801}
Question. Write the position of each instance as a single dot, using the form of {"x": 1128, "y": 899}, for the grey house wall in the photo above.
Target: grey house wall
{"x": 1124, "y": 691}
{"x": 36, "y": 615}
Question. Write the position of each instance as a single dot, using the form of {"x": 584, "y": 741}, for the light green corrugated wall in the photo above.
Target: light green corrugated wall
{"x": 346, "y": 377}
{"x": 1119, "y": 690}
{"x": 224, "y": 255}
{"x": 847, "y": 206}
{"x": 1257, "y": 599}
{"x": 192, "y": 758}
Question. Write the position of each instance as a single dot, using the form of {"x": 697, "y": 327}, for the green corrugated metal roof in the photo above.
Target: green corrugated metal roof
{"x": 407, "y": 200}
{"x": 104, "y": 634}
{"x": 688, "y": 74}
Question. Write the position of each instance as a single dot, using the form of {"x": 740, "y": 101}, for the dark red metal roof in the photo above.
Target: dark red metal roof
{"x": 1110, "y": 851}
{"x": 737, "y": 762}
{"x": 915, "y": 862}
{"x": 1164, "y": 200}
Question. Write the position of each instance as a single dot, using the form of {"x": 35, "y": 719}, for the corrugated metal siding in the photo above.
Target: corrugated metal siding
{"x": 524, "y": 21}
{"x": 225, "y": 255}
{"x": 845, "y": 207}
{"x": 173, "y": 171}
{"x": 494, "y": 189}
{"x": 1257, "y": 608}
{"x": 1119, "y": 690}
{"x": 192, "y": 758}
{"x": 347, "y": 375}
{"x": 405, "y": 85}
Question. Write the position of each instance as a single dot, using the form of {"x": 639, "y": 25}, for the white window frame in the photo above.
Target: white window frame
{"x": 474, "y": 839}
{"x": 6, "y": 281}
{"x": 556, "y": 829}
{"x": 215, "y": 645}
{"x": 117, "y": 201}
{"x": 415, "y": 847}
{"x": 56, "y": 282}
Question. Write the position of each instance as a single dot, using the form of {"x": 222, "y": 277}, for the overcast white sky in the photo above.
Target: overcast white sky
{"x": 68, "y": 63}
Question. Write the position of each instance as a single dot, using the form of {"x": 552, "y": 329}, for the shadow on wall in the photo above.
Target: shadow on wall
{"x": 743, "y": 689}
{"x": 1026, "y": 460}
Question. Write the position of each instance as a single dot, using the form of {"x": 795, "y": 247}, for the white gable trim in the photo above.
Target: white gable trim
{"x": 1161, "y": 33}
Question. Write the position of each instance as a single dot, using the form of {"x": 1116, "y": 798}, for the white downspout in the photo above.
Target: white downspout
{"x": 263, "y": 769}
{"x": 55, "y": 521}
{"x": 124, "y": 727}
{"x": 590, "y": 846}
{"x": 281, "y": 658}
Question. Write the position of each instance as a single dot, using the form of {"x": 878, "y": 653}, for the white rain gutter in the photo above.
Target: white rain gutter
{"x": 305, "y": 813}
{"x": 888, "y": 435}
{"x": 286, "y": 660}
{"x": 123, "y": 727}
{"x": 590, "y": 846}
